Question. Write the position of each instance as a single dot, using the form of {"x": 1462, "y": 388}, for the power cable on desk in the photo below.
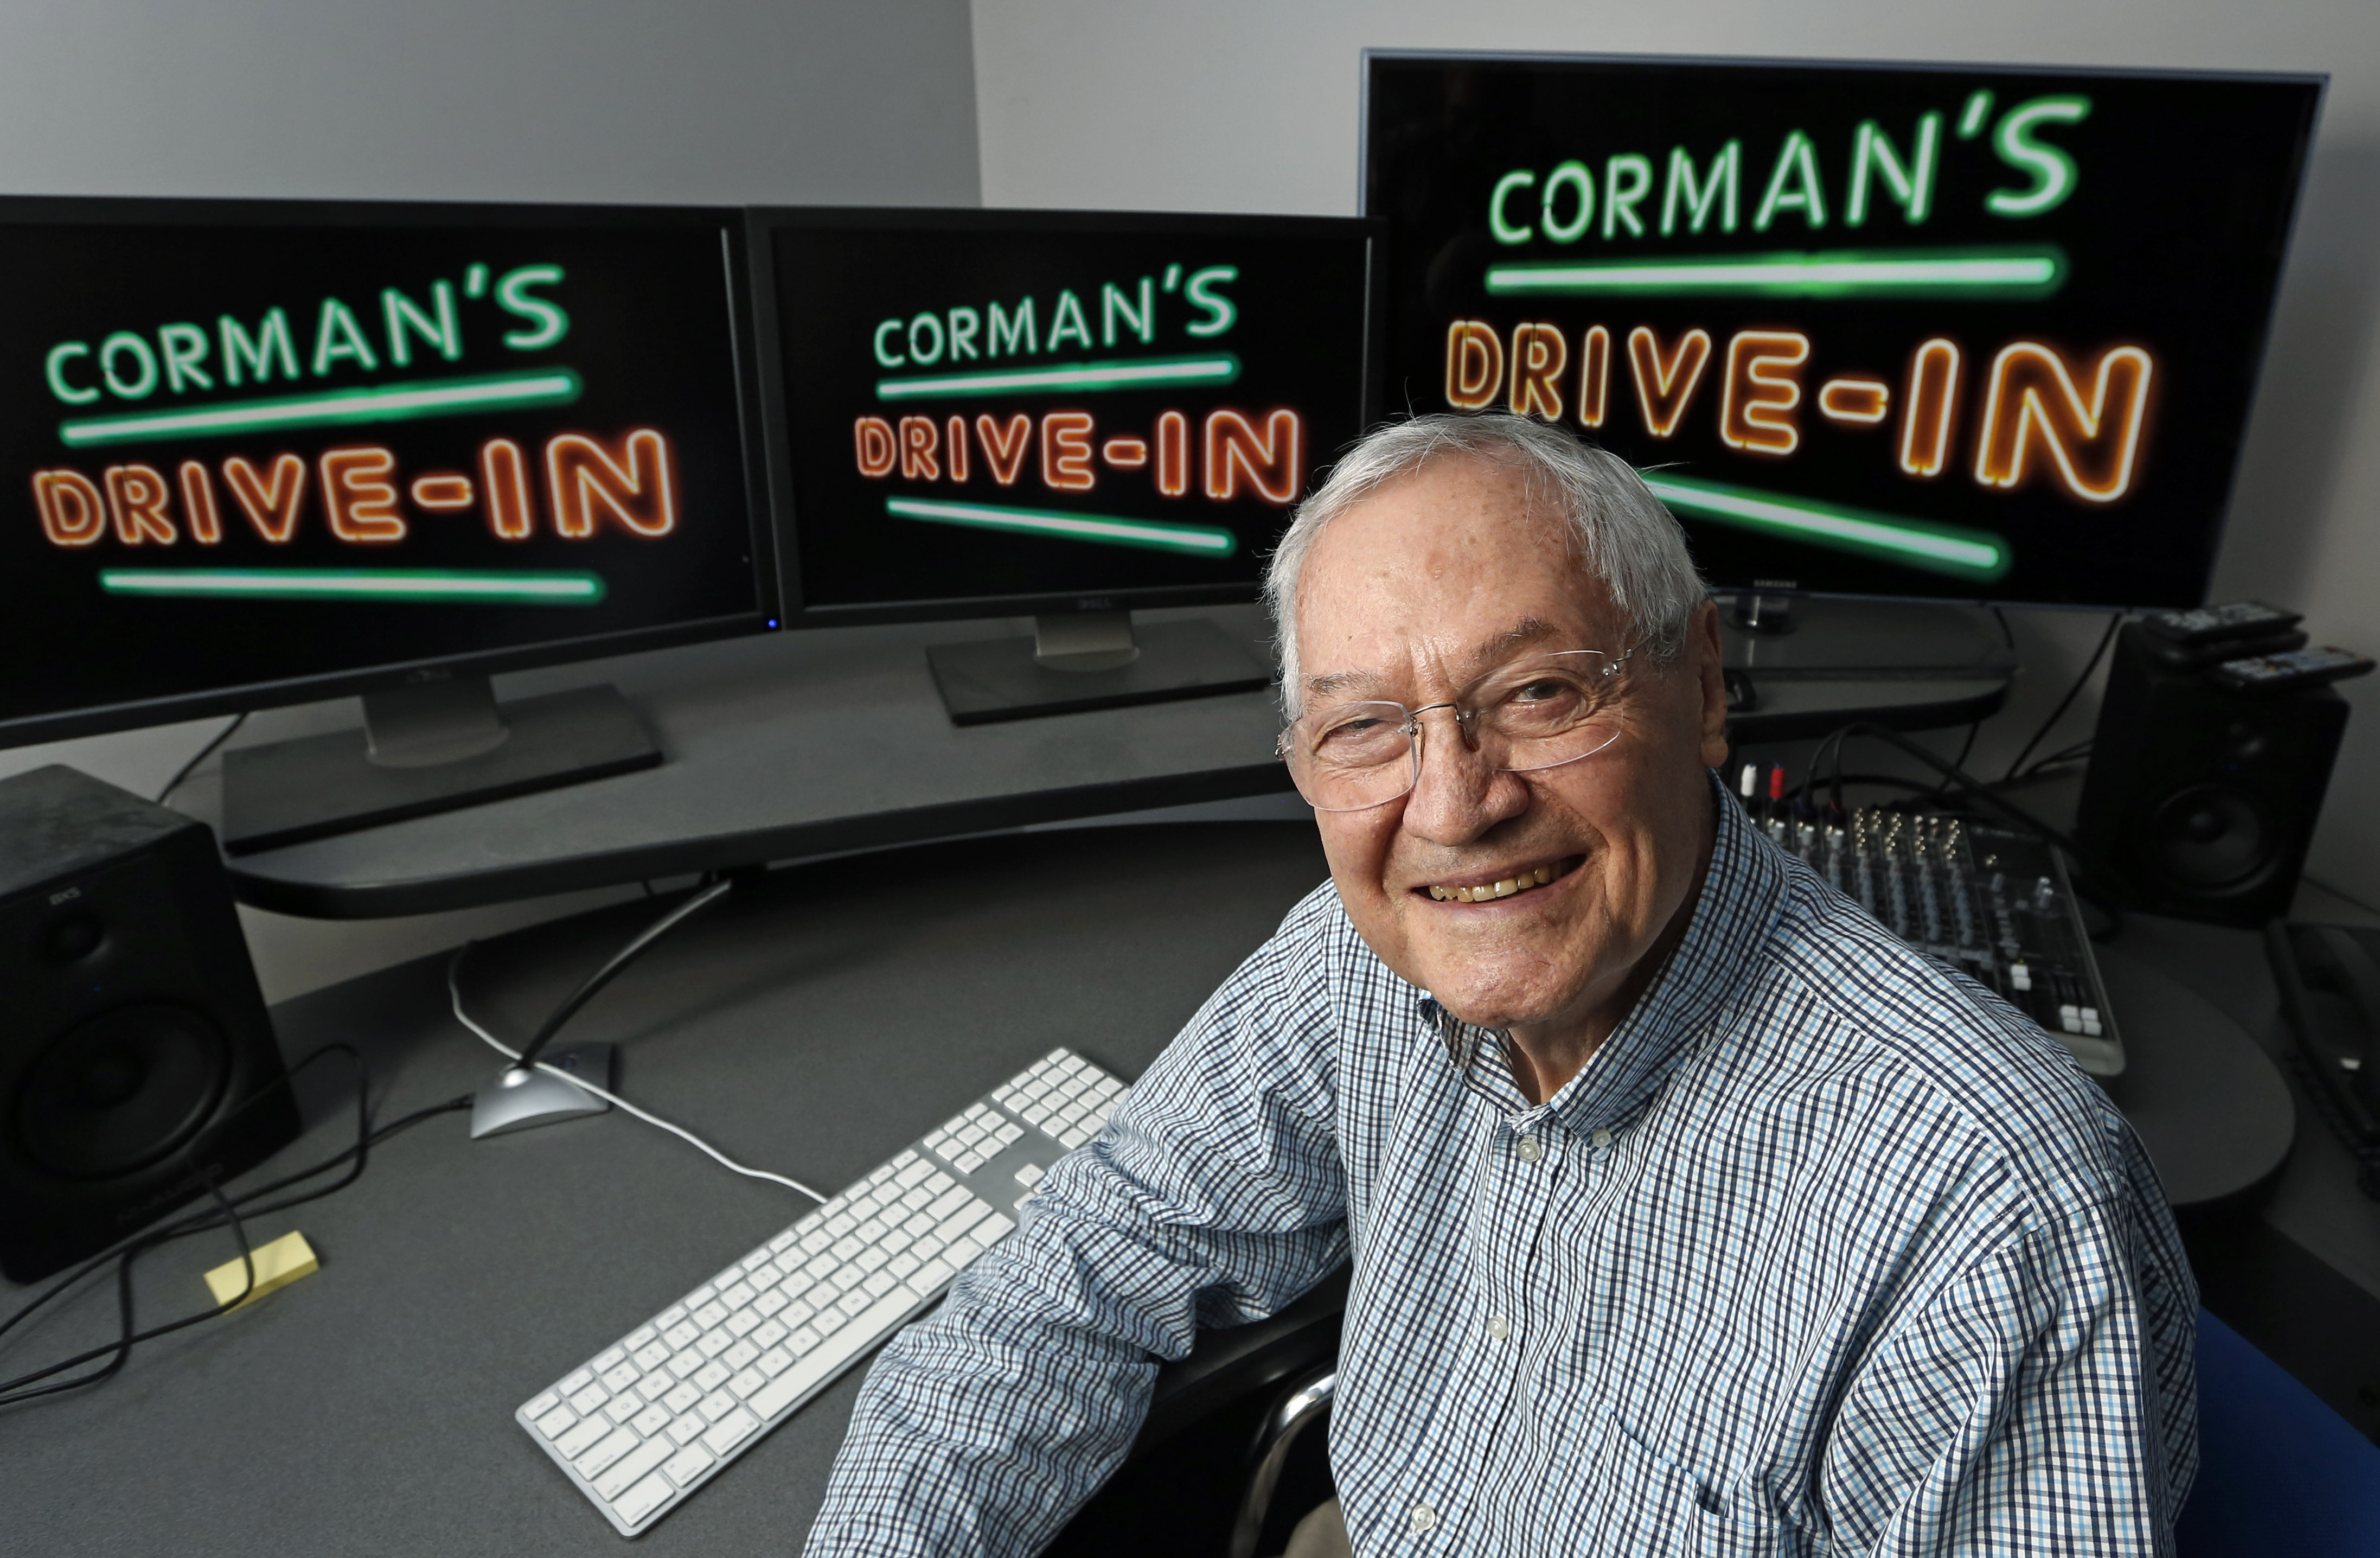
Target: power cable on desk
{"x": 454, "y": 993}
{"x": 217, "y": 739}
{"x": 2115, "y": 620}
{"x": 227, "y": 1213}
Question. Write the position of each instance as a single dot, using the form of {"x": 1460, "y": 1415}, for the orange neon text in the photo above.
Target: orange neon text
{"x": 2033, "y": 408}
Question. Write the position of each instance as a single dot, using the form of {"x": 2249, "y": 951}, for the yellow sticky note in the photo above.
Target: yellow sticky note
{"x": 277, "y": 1265}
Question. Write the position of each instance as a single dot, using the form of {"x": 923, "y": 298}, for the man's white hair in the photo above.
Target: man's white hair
{"x": 1618, "y": 529}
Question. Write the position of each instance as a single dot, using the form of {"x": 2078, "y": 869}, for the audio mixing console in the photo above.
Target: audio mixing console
{"x": 1993, "y": 904}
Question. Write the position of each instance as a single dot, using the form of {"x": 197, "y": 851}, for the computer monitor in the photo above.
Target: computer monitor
{"x": 987, "y": 413}
{"x": 1940, "y": 332}
{"x": 270, "y": 452}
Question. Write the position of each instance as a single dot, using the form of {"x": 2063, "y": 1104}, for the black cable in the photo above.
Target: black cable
{"x": 111, "y": 1251}
{"x": 2115, "y": 620}
{"x": 227, "y": 1213}
{"x": 619, "y": 961}
{"x": 1990, "y": 800}
{"x": 203, "y": 753}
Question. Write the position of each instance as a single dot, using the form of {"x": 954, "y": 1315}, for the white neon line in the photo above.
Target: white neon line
{"x": 1842, "y": 527}
{"x": 143, "y": 582}
{"x": 1183, "y": 537}
{"x": 341, "y": 406}
{"x": 2028, "y": 271}
{"x": 1194, "y": 371}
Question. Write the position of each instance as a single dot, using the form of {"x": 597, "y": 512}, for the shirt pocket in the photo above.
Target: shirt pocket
{"x": 1620, "y": 1496}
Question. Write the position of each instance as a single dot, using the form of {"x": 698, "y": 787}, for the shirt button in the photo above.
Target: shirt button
{"x": 1424, "y": 1518}
{"x": 1601, "y": 1138}
{"x": 1498, "y": 1327}
{"x": 1530, "y": 1148}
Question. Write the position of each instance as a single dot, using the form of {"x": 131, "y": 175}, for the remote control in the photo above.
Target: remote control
{"x": 2206, "y": 625}
{"x": 2191, "y": 657}
{"x": 2299, "y": 668}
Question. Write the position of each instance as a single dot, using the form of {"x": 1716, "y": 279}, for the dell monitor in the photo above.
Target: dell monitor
{"x": 991, "y": 413}
{"x": 1949, "y": 332}
{"x": 265, "y": 452}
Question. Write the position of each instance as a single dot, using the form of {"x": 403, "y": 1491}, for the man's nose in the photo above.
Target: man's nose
{"x": 1460, "y": 793}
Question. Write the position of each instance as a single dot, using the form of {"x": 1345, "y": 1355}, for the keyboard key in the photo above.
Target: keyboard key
{"x": 712, "y": 1375}
{"x": 714, "y": 1343}
{"x": 743, "y": 1323}
{"x": 768, "y": 1336}
{"x": 681, "y": 1398}
{"x": 773, "y": 1362}
{"x": 621, "y": 1377}
{"x": 711, "y": 1314}
{"x": 738, "y": 1296}
{"x": 653, "y": 1387}
{"x": 610, "y": 1448}
{"x": 555, "y": 1418}
{"x": 686, "y": 1430}
{"x": 686, "y": 1364}
{"x": 682, "y": 1334}
{"x": 643, "y": 1499}
{"x": 620, "y": 1408}
{"x": 540, "y": 1406}
{"x": 730, "y": 1431}
{"x": 717, "y": 1404}
{"x": 768, "y": 1302}
{"x": 652, "y": 1355}
{"x": 932, "y": 1276}
{"x": 651, "y": 1420}
{"x": 699, "y": 1296}
{"x": 740, "y": 1355}
{"x": 606, "y": 1358}
{"x": 804, "y": 1339}
{"x": 744, "y": 1385}
{"x": 581, "y": 1439}
{"x": 670, "y": 1316}
{"x": 813, "y": 1370}
{"x": 633, "y": 1467}
{"x": 588, "y": 1400}
{"x": 879, "y": 1283}
{"x": 637, "y": 1338}
{"x": 689, "y": 1464}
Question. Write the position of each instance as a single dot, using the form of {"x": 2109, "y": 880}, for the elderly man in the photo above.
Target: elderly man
{"x": 1690, "y": 1212}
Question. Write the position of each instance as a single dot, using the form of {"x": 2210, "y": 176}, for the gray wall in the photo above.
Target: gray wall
{"x": 725, "y": 101}
{"x": 1252, "y": 105}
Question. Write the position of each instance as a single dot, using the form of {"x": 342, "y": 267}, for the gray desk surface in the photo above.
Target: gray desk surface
{"x": 853, "y": 1004}
{"x": 799, "y": 744}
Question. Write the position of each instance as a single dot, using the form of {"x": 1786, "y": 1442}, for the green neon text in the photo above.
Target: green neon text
{"x": 440, "y": 585}
{"x": 1916, "y": 543}
{"x": 352, "y": 408}
{"x": 1120, "y": 373}
{"x": 2033, "y": 271}
{"x": 1196, "y": 541}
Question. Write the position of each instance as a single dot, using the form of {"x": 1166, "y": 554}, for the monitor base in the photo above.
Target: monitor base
{"x": 1062, "y": 672}
{"x": 422, "y": 754}
{"x": 1820, "y": 638}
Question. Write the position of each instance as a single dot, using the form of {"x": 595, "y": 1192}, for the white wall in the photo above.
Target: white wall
{"x": 1252, "y": 105}
{"x": 724, "y": 100}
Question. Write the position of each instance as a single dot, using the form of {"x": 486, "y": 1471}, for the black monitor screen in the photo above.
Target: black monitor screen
{"x": 1949, "y": 332}
{"x": 1017, "y": 410}
{"x": 262, "y": 452}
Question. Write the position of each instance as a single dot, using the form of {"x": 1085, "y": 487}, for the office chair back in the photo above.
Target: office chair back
{"x": 2279, "y": 1472}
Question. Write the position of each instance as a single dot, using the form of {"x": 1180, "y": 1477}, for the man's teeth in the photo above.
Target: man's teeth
{"x": 1503, "y": 889}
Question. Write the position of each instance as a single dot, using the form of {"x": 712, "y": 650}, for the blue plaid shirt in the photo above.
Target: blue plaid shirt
{"x": 1825, "y": 1250}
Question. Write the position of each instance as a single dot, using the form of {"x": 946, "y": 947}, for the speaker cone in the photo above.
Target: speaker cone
{"x": 121, "y": 1090}
{"x": 2208, "y": 837}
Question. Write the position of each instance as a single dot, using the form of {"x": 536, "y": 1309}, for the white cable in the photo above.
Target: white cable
{"x": 455, "y": 992}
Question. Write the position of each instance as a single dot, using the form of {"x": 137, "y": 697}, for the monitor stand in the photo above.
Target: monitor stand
{"x": 433, "y": 746}
{"x": 1793, "y": 638}
{"x": 1090, "y": 660}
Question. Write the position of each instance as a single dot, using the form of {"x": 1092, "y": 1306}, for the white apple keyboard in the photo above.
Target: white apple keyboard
{"x": 648, "y": 1420}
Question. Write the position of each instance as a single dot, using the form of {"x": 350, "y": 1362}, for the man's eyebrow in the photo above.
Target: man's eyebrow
{"x": 1341, "y": 681}
{"x": 1488, "y": 652}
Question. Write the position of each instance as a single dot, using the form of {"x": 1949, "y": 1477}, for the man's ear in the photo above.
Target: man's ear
{"x": 1703, "y": 654}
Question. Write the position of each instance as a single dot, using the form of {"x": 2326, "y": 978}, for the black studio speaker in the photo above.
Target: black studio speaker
{"x": 136, "y": 1058}
{"x": 2201, "y": 799}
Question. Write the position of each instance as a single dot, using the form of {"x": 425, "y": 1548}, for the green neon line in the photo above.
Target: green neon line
{"x": 1942, "y": 549}
{"x": 1149, "y": 373}
{"x": 1198, "y": 541}
{"x": 359, "y": 584}
{"x": 353, "y": 408}
{"x": 1936, "y": 273}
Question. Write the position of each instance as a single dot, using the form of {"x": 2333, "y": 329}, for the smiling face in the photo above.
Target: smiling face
{"x": 1541, "y": 901}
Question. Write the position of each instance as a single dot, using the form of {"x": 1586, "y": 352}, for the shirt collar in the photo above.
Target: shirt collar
{"x": 1743, "y": 896}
